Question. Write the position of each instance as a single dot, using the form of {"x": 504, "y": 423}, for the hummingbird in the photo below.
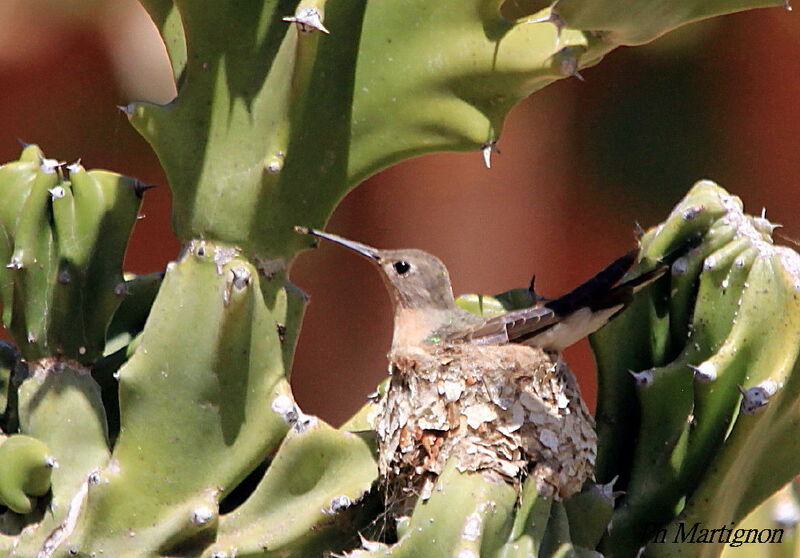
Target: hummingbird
{"x": 490, "y": 394}
{"x": 425, "y": 311}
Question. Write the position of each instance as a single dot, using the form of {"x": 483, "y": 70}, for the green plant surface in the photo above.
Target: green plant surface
{"x": 8, "y": 360}
{"x": 530, "y": 523}
{"x": 268, "y": 152}
{"x": 400, "y": 80}
{"x": 308, "y": 501}
{"x": 690, "y": 441}
{"x": 780, "y": 511}
{"x": 167, "y": 19}
{"x": 209, "y": 395}
{"x": 60, "y": 405}
{"x": 129, "y": 318}
{"x": 641, "y": 21}
{"x": 63, "y": 232}
{"x": 589, "y": 513}
{"x": 485, "y": 305}
{"x": 363, "y": 419}
{"x": 25, "y": 469}
{"x": 270, "y": 140}
{"x": 467, "y": 515}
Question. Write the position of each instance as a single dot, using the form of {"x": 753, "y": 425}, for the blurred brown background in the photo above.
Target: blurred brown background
{"x": 580, "y": 164}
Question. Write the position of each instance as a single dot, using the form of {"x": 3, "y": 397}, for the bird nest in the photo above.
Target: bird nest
{"x": 507, "y": 411}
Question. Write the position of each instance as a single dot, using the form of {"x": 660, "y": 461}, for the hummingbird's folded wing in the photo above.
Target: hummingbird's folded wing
{"x": 558, "y": 323}
{"x": 513, "y": 325}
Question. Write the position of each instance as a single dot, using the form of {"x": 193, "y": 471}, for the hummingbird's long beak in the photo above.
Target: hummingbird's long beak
{"x": 367, "y": 251}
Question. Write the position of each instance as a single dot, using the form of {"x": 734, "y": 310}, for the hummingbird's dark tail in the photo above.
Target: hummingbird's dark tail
{"x": 558, "y": 323}
{"x": 601, "y": 291}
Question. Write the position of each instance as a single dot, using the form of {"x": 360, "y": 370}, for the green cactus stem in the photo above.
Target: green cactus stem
{"x": 713, "y": 376}
{"x": 781, "y": 511}
{"x": 60, "y": 405}
{"x": 131, "y": 315}
{"x": 25, "y": 469}
{"x": 63, "y": 232}
{"x": 641, "y": 21}
{"x": 399, "y": 81}
{"x": 530, "y": 523}
{"x": 309, "y": 500}
{"x": 209, "y": 392}
{"x": 467, "y": 515}
{"x": 589, "y": 513}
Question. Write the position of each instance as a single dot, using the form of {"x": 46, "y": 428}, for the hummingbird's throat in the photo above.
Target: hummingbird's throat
{"x": 418, "y": 326}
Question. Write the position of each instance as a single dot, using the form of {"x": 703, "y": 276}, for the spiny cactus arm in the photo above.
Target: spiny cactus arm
{"x": 698, "y": 299}
{"x": 530, "y": 522}
{"x": 306, "y": 502}
{"x": 210, "y": 397}
{"x": 267, "y": 150}
{"x": 695, "y": 217}
{"x": 641, "y": 21}
{"x": 292, "y": 307}
{"x": 25, "y": 469}
{"x": 129, "y": 319}
{"x": 763, "y": 438}
{"x": 60, "y": 405}
{"x": 740, "y": 355}
{"x": 126, "y": 324}
{"x": 655, "y": 485}
{"x": 105, "y": 206}
{"x": 589, "y": 513}
{"x": 738, "y": 287}
{"x": 617, "y": 408}
{"x": 450, "y": 71}
{"x": 26, "y": 224}
{"x": 167, "y": 18}
{"x": 466, "y": 515}
{"x": 65, "y": 231}
{"x": 556, "y": 542}
{"x": 273, "y": 138}
{"x": 19, "y": 175}
{"x": 666, "y": 307}
{"x": 264, "y": 138}
{"x": 663, "y": 461}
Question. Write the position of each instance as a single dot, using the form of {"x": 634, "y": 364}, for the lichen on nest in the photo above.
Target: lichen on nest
{"x": 507, "y": 411}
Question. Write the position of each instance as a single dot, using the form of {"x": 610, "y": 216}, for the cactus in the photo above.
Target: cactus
{"x": 152, "y": 415}
{"x": 779, "y": 512}
{"x": 64, "y": 234}
{"x": 714, "y": 392}
{"x": 26, "y": 467}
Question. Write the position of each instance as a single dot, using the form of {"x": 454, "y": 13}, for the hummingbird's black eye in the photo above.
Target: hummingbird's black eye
{"x": 401, "y": 267}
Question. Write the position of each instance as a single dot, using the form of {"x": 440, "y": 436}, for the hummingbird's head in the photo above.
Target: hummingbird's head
{"x": 415, "y": 279}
